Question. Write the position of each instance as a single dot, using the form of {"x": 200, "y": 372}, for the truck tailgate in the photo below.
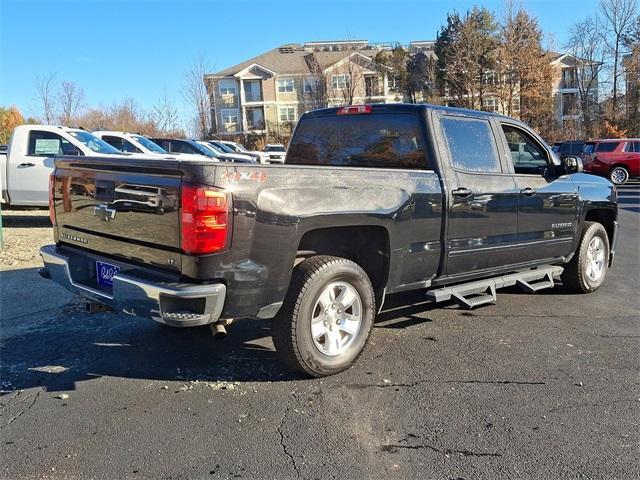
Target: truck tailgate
{"x": 129, "y": 200}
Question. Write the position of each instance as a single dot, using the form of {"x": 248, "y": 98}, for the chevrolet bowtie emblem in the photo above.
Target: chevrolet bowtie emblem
{"x": 104, "y": 213}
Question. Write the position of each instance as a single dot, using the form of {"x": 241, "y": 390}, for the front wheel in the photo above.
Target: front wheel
{"x": 619, "y": 175}
{"x": 586, "y": 271}
{"x": 326, "y": 317}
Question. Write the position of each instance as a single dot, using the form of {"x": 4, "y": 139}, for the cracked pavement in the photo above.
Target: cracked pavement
{"x": 537, "y": 386}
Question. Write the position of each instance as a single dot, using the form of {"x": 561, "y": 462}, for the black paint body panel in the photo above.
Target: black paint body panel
{"x": 431, "y": 238}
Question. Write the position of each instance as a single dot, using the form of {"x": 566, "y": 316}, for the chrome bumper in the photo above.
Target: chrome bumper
{"x": 175, "y": 304}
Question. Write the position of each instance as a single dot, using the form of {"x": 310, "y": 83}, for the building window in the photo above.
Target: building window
{"x": 229, "y": 119}
{"x": 227, "y": 87}
{"x": 515, "y": 105}
{"x": 285, "y": 85}
{"x": 569, "y": 104}
{"x": 394, "y": 83}
{"x": 490, "y": 104}
{"x": 287, "y": 114}
{"x": 339, "y": 82}
{"x": 490, "y": 77}
{"x": 569, "y": 78}
{"x": 310, "y": 84}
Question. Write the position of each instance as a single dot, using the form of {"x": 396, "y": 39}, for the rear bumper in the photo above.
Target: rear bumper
{"x": 172, "y": 303}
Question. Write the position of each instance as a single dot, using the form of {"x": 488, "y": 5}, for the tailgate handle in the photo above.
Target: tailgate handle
{"x": 105, "y": 191}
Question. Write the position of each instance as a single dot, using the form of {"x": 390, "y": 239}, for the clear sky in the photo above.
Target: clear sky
{"x": 140, "y": 48}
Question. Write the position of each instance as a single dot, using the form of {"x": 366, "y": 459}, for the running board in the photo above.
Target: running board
{"x": 483, "y": 292}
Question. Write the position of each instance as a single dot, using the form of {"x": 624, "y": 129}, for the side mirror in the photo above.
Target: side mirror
{"x": 572, "y": 164}
{"x": 74, "y": 152}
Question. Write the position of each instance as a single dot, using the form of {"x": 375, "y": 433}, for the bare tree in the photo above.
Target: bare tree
{"x": 351, "y": 80}
{"x": 70, "y": 100}
{"x": 164, "y": 114}
{"x": 316, "y": 95}
{"x": 196, "y": 94}
{"x": 618, "y": 17}
{"x": 585, "y": 44}
{"x": 45, "y": 97}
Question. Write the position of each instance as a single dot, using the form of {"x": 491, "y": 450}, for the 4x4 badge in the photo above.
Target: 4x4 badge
{"x": 104, "y": 213}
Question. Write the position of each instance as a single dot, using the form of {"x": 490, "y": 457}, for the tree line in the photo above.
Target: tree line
{"x": 483, "y": 60}
{"x": 500, "y": 62}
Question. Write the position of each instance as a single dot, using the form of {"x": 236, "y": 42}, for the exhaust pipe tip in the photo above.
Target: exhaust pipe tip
{"x": 219, "y": 329}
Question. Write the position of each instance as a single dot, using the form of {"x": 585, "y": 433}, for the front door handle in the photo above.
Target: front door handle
{"x": 27, "y": 164}
{"x": 528, "y": 191}
{"x": 461, "y": 192}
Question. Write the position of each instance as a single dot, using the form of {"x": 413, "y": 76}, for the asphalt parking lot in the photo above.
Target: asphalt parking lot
{"x": 536, "y": 386}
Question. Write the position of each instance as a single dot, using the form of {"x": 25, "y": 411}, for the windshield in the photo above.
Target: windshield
{"x": 93, "y": 143}
{"x": 275, "y": 148}
{"x": 207, "y": 150}
{"x": 237, "y": 147}
{"x": 148, "y": 144}
{"x": 223, "y": 147}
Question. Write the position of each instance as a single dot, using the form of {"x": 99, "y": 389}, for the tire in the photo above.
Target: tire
{"x": 316, "y": 283}
{"x": 579, "y": 275}
{"x": 619, "y": 175}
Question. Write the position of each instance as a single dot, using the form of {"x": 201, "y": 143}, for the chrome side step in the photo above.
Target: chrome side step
{"x": 483, "y": 292}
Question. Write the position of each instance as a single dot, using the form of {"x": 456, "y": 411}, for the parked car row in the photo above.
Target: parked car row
{"x": 27, "y": 162}
{"x": 617, "y": 159}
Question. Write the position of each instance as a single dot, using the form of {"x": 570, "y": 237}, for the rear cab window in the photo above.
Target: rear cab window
{"x": 383, "y": 140}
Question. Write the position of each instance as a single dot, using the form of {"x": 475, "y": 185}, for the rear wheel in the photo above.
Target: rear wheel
{"x": 326, "y": 317}
{"x": 619, "y": 175}
{"x": 588, "y": 268}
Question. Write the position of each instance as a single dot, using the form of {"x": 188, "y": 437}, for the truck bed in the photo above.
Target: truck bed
{"x": 129, "y": 210}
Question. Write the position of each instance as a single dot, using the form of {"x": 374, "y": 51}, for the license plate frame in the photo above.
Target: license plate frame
{"x": 105, "y": 272}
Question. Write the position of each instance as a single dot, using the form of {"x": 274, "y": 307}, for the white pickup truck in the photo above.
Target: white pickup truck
{"x": 28, "y": 162}
{"x": 134, "y": 143}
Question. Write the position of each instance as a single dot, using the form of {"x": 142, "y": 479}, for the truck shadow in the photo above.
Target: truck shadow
{"x": 49, "y": 342}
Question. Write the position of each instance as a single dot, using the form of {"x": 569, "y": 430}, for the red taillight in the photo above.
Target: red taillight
{"x": 205, "y": 218}
{"x": 52, "y": 205}
{"x": 354, "y": 110}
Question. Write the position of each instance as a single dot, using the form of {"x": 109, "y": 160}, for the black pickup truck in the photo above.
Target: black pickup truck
{"x": 372, "y": 200}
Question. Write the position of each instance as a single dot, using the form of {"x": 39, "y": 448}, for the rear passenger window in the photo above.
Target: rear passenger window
{"x": 365, "y": 140}
{"x": 606, "y": 146}
{"x": 471, "y": 144}
{"x": 115, "y": 142}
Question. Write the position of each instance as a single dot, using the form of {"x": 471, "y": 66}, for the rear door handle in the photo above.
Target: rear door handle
{"x": 27, "y": 164}
{"x": 461, "y": 192}
{"x": 528, "y": 191}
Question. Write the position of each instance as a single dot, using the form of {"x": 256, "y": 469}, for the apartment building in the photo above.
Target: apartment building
{"x": 269, "y": 92}
{"x": 574, "y": 79}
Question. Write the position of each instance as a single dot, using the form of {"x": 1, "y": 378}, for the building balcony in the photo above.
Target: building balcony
{"x": 252, "y": 97}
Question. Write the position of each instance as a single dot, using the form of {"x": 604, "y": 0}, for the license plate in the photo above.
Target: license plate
{"x": 105, "y": 272}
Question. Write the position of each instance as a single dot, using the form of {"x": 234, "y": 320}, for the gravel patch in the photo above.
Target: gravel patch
{"x": 23, "y": 233}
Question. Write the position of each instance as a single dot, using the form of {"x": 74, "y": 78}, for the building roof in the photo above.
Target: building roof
{"x": 289, "y": 59}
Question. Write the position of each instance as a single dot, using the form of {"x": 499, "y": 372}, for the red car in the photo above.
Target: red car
{"x": 616, "y": 159}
